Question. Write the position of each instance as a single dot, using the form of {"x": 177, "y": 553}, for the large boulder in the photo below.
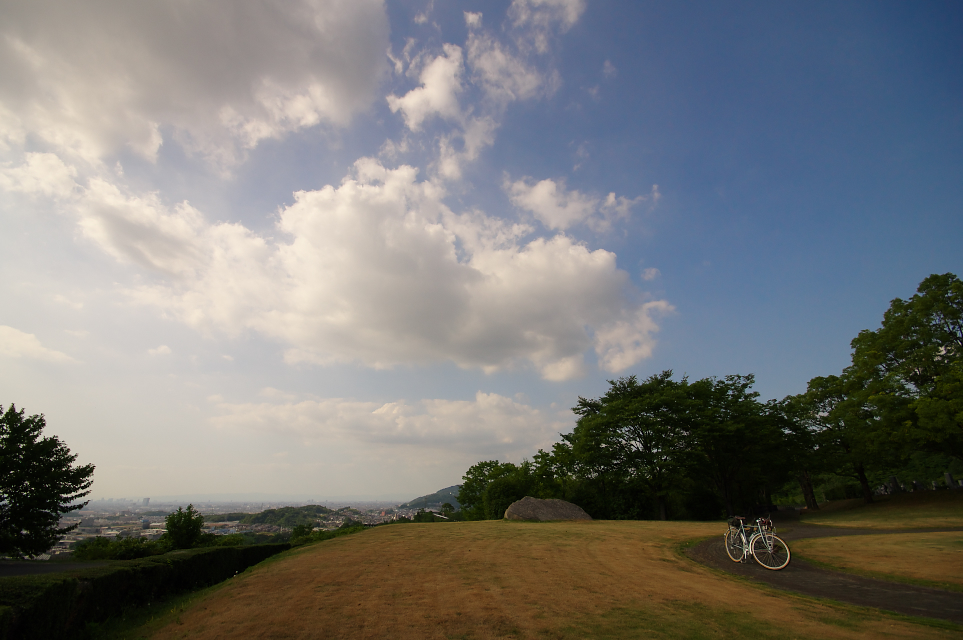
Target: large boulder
{"x": 529, "y": 508}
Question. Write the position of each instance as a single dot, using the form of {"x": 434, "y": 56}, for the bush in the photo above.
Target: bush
{"x": 843, "y": 492}
{"x": 100, "y": 548}
{"x": 61, "y": 605}
{"x": 320, "y": 536}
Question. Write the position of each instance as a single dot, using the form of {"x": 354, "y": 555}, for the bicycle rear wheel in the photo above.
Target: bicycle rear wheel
{"x": 769, "y": 550}
{"x": 734, "y": 545}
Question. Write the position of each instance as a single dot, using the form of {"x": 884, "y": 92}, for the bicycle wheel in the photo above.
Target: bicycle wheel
{"x": 769, "y": 550}
{"x": 734, "y": 545}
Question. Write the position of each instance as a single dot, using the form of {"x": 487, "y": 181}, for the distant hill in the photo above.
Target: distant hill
{"x": 286, "y": 516}
{"x": 436, "y": 499}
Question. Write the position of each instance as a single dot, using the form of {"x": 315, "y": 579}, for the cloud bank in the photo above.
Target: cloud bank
{"x": 489, "y": 423}
{"x": 97, "y": 78}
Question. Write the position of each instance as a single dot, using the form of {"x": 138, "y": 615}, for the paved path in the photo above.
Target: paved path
{"x": 802, "y": 577}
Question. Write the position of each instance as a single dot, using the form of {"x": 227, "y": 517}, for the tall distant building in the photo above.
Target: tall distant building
{"x": 146, "y": 501}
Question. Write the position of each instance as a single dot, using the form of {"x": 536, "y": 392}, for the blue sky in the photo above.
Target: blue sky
{"x": 500, "y": 205}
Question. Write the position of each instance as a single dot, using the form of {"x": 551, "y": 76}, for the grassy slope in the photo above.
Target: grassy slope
{"x": 511, "y": 579}
{"x": 926, "y": 509}
{"x": 931, "y": 559}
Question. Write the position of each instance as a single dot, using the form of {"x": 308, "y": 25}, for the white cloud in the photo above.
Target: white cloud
{"x": 488, "y": 425}
{"x": 477, "y": 134}
{"x": 503, "y": 76}
{"x": 441, "y": 82}
{"x": 609, "y": 70}
{"x": 555, "y": 207}
{"x": 41, "y": 173}
{"x": 538, "y": 20}
{"x": 650, "y": 274}
{"x": 625, "y": 342}
{"x": 162, "y": 350}
{"x": 17, "y": 344}
{"x": 96, "y": 78}
{"x": 377, "y": 271}
{"x": 558, "y": 208}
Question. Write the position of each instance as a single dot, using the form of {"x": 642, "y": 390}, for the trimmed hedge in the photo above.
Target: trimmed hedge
{"x": 60, "y": 605}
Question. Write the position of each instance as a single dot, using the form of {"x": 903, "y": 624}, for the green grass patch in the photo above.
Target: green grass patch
{"x": 923, "y": 509}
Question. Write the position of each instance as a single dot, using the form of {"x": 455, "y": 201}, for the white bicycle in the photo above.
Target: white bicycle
{"x": 759, "y": 541}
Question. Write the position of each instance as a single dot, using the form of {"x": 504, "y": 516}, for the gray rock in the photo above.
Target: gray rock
{"x": 529, "y": 508}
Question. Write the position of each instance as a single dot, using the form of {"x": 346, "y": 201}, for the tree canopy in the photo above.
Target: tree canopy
{"x": 184, "y": 527}
{"x": 666, "y": 448}
{"x": 39, "y": 483}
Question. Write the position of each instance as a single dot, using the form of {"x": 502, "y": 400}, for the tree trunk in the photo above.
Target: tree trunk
{"x": 661, "y": 501}
{"x": 864, "y": 483}
{"x": 806, "y": 484}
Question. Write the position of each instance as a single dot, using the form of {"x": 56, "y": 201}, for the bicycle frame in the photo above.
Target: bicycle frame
{"x": 748, "y": 535}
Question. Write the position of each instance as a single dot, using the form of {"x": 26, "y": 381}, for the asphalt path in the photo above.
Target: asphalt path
{"x": 801, "y": 577}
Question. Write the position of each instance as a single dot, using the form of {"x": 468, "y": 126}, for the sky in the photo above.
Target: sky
{"x": 348, "y": 248}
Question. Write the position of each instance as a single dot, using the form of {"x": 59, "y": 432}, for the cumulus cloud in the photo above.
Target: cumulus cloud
{"x": 93, "y": 79}
{"x": 162, "y": 350}
{"x": 17, "y": 344}
{"x": 40, "y": 174}
{"x": 380, "y": 271}
{"x": 504, "y": 76}
{"x": 623, "y": 343}
{"x": 490, "y": 424}
{"x": 559, "y": 208}
{"x": 441, "y": 82}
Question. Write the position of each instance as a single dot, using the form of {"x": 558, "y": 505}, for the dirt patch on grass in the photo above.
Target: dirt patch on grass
{"x": 923, "y": 509}
{"x": 932, "y": 557}
{"x": 511, "y": 579}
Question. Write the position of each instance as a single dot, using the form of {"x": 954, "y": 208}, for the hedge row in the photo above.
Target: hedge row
{"x": 61, "y": 605}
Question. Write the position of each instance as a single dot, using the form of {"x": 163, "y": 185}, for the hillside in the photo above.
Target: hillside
{"x": 436, "y": 499}
{"x": 288, "y": 516}
{"x": 501, "y": 579}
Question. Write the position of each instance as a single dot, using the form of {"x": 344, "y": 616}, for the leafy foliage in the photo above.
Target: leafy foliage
{"x": 666, "y": 448}
{"x": 185, "y": 528}
{"x": 101, "y": 548}
{"x": 288, "y": 516}
{"x": 39, "y": 483}
{"x": 62, "y": 605}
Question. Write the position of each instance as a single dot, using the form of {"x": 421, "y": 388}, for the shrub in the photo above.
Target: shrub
{"x": 100, "y": 548}
{"x": 60, "y": 605}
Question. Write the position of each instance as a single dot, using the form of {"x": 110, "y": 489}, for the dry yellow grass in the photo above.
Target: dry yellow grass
{"x": 933, "y": 557}
{"x": 510, "y": 579}
{"x": 922, "y": 510}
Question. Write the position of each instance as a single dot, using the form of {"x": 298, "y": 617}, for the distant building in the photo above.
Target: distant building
{"x": 146, "y": 502}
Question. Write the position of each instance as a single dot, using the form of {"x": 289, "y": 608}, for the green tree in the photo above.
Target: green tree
{"x": 475, "y": 482}
{"x": 184, "y": 528}
{"x": 301, "y": 531}
{"x": 735, "y": 441}
{"x": 855, "y": 425}
{"x": 39, "y": 483}
{"x": 639, "y": 429}
{"x": 803, "y": 457}
{"x": 914, "y": 363}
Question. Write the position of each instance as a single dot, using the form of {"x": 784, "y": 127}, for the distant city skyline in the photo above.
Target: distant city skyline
{"x": 350, "y": 249}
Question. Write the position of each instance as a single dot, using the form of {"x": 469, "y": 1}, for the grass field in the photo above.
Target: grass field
{"x": 935, "y": 559}
{"x": 925, "y": 509}
{"x": 516, "y": 580}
